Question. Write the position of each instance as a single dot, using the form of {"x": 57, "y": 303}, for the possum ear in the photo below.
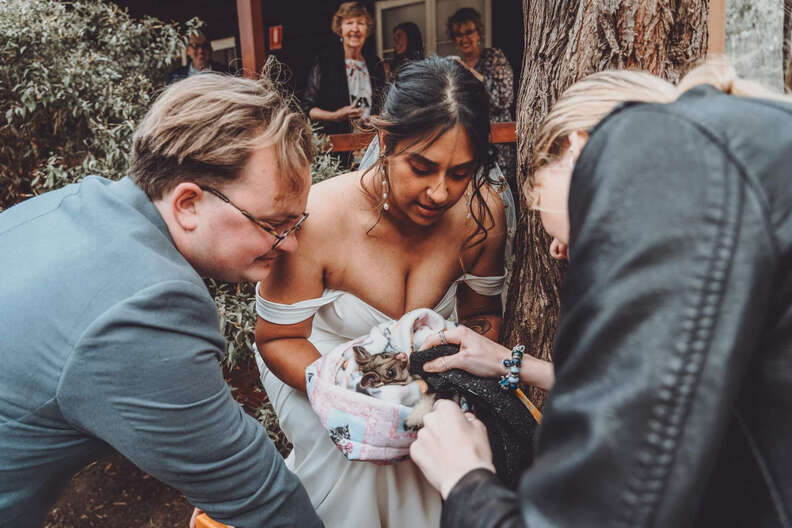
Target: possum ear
{"x": 369, "y": 380}
{"x": 361, "y": 354}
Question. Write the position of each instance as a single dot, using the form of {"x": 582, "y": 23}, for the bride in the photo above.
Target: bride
{"x": 420, "y": 227}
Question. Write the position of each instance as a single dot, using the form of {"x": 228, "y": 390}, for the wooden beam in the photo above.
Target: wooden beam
{"x": 499, "y": 133}
{"x": 716, "y": 28}
{"x": 503, "y": 132}
{"x": 350, "y": 142}
{"x": 251, "y": 37}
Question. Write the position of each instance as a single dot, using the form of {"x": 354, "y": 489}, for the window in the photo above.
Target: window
{"x": 430, "y": 16}
{"x": 223, "y": 51}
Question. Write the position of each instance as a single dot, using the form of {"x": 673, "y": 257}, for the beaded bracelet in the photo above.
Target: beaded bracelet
{"x": 511, "y": 380}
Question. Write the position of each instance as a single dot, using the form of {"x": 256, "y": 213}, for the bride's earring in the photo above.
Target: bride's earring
{"x": 384, "y": 173}
{"x": 572, "y": 159}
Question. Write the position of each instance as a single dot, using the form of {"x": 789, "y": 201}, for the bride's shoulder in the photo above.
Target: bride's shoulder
{"x": 331, "y": 201}
{"x": 335, "y": 195}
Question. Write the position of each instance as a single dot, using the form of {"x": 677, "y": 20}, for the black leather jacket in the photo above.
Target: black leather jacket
{"x": 327, "y": 86}
{"x": 673, "y": 400}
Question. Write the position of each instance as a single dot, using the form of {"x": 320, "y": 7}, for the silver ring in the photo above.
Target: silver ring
{"x": 442, "y": 337}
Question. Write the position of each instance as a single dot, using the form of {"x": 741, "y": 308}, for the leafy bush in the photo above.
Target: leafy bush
{"x": 76, "y": 78}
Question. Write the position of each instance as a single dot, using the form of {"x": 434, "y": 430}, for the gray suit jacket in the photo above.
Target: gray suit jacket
{"x": 110, "y": 339}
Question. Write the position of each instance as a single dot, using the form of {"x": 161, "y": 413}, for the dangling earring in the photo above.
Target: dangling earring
{"x": 384, "y": 173}
{"x": 469, "y": 196}
{"x": 572, "y": 159}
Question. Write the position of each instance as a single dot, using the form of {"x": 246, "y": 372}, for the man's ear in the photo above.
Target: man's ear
{"x": 184, "y": 203}
{"x": 559, "y": 250}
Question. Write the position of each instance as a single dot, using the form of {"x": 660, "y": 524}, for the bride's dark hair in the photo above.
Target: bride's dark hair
{"x": 426, "y": 99}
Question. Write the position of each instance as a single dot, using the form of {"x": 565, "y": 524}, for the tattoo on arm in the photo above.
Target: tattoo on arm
{"x": 479, "y": 325}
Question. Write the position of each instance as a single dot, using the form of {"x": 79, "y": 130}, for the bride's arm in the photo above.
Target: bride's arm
{"x": 294, "y": 277}
{"x": 482, "y": 313}
{"x": 286, "y": 350}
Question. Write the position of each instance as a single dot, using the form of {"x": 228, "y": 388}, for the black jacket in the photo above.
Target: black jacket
{"x": 327, "y": 86}
{"x": 673, "y": 399}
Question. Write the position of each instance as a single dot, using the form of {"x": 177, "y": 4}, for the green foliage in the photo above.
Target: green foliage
{"x": 324, "y": 165}
{"x": 74, "y": 79}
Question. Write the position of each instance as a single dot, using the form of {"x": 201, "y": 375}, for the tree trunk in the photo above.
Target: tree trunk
{"x": 566, "y": 40}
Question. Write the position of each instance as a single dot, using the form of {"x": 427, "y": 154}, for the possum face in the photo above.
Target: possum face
{"x": 382, "y": 369}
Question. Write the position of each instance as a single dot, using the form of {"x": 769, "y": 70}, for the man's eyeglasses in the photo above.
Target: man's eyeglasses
{"x": 279, "y": 237}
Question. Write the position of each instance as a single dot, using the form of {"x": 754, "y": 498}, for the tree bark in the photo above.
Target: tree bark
{"x": 566, "y": 40}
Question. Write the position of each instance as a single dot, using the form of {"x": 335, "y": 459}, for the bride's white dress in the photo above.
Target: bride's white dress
{"x": 351, "y": 493}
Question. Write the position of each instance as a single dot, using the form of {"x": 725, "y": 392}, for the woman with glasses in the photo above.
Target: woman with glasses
{"x": 420, "y": 227}
{"x": 491, "y": 67}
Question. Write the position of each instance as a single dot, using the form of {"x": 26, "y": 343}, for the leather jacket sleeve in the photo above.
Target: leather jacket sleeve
{"x": 663, "y": 304}
{"x": 311, "y": 95}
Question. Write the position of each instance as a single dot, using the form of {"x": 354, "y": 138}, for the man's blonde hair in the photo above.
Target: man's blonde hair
{"x": 204, "y": 129}
{"x": 349, "y": 10}
{"x": 588, "y": 101}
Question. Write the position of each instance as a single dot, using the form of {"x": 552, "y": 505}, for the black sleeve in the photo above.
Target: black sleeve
{"x": 664, "y": 301}
{"x": 480, "y": 499}
{"x": 311, "y": 94}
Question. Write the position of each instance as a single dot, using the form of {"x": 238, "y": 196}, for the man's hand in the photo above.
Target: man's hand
{"x": 450, "y": 445}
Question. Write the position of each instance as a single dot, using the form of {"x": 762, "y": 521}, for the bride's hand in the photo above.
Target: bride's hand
{"x": 484, "y": 358}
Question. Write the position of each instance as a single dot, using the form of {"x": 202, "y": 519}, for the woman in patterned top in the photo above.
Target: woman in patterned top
{"x": 492, "y": 68}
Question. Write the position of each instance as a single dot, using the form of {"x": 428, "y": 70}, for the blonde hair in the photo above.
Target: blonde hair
{"x": 204, "y": 129}
{"x": 349, "y": 10}
{"x": 588, "y": 101}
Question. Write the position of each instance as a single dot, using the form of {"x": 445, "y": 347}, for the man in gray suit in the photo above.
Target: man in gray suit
{"x": 109, "y": 338}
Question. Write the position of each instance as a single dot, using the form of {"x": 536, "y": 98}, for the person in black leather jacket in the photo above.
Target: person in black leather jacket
{"x": 336, "y": 93}
{"x": 672, "y": 402}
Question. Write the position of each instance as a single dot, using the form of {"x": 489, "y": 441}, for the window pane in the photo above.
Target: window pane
{"x": 392, "y": 17}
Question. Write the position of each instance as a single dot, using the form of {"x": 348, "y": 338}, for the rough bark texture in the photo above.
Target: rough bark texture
{"x": 564, "y": 41}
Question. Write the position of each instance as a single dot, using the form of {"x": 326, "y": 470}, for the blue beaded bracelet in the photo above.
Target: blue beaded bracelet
{"x": 511, "y": 380}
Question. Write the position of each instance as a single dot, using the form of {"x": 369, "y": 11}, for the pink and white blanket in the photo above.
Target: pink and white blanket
{"x": 370, "y": 426}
